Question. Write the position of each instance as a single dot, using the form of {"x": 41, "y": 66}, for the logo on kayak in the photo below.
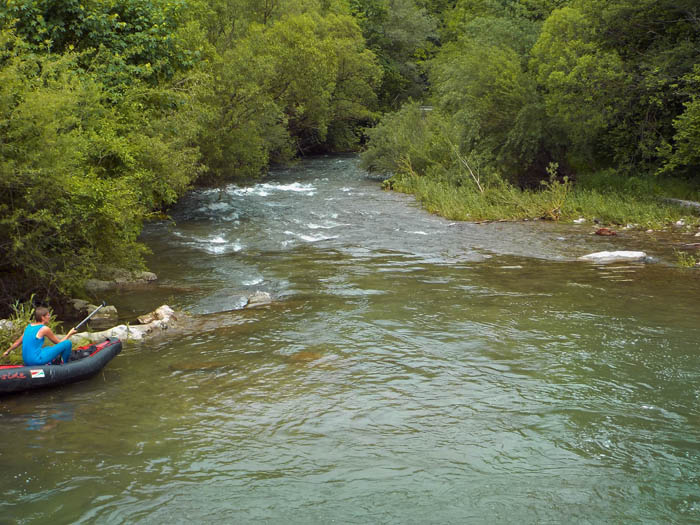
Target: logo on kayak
{"x": 37, "y": 374}
{"x": 16, "y": 375}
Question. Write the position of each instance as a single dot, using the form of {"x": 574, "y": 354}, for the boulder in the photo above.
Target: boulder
{"x": 607, "y": 257}
{"x": 80, "y": 307}
{"x": 161, "y": 319}
{"x": 107, "y": 316}
{"x": 259, "y": 298}
{"x": 95, "y": 286}
{"x": 121, "y": 279}
{"x": 159, "y": 314}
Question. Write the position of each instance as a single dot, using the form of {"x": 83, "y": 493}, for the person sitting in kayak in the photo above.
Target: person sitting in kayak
{"x": 32, "y": 341}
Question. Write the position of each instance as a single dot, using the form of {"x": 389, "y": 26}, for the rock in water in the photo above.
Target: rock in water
{"x": 259, "y": 298}
{"x": 107, "y": 316}
{"x": 606, "y": 257}
{"x": 605, "y": 232}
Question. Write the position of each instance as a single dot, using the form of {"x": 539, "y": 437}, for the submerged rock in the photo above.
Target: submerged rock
{"x": 607, "y": 257}
{"x": 120, "y": 280}
{"x": 605, "y": 232}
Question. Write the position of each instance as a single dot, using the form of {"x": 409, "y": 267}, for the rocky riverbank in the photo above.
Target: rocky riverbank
{"x": 163, "y": 318}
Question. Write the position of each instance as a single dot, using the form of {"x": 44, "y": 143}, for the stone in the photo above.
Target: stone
{"x": 107, "y": 316}
{"x": 259, "y": 298}
{"x": 121, "y": 279}
{"x": 163, "y": 318}
{"x": 159, "y": 314}
{"x": 607, "y": 257}
{"x": 80, "y": 306}
{"x": 580, "y": 220}
{"x": 94, "y": 286}
{"x": 605, "y": 232}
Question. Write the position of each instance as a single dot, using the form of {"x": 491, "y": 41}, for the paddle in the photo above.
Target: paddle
{"x": 89, "y": 316}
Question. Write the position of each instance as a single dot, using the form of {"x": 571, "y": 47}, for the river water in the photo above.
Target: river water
{"x": 409, "y": 370}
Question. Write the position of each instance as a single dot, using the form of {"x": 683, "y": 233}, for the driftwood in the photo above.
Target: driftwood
{"x": 687, "y": 204}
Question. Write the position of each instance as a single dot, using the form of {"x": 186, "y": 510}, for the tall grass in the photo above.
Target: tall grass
{"x": 555, "y": 200}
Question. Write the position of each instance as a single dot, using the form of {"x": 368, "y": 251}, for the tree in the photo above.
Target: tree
{"x": 124, "y": 39}
{"x": 584, "y": 85}
{"x": 302, "y": 83}
{"x": 79, "y": 173}
{"x": 683, "y": 156}
{"x": 401, "y": 35}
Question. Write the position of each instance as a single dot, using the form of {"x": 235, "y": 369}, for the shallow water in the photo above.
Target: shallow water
{"x": 410, "y": 370}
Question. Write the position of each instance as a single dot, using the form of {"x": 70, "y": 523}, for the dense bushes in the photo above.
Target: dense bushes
{"x": 111, "y": 109}
{"x": 589, "y": 85}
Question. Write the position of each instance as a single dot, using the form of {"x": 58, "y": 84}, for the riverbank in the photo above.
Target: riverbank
{"x": 620, "y": 205}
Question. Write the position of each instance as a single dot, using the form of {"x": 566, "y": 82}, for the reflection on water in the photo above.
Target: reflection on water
{"x": 411, "y": 370}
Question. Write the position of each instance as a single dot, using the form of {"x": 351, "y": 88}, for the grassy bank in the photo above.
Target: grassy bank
{"x": 639, "y": 203}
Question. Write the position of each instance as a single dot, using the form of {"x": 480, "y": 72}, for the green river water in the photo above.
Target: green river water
{"x": 410, "y": 370}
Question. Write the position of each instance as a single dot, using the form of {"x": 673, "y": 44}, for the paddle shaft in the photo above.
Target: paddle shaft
{"x": 89, "y": 316}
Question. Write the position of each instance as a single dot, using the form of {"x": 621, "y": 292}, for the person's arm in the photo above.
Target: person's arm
{"x": 14, "y": 345}
{"x": 47, "y": 332}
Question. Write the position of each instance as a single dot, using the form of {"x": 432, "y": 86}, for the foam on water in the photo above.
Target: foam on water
{"x": 216, "y": 245}
{"x": 265, "y": 189}
{"x": 310, "y": 238}
{"x": 327, "y": 226}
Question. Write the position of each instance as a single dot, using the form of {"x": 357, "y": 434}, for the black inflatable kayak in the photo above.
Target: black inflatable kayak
{"x": 85, "y": 362}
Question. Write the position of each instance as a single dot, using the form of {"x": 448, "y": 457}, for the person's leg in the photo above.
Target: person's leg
{"x": 49, "y": 353}
{"x": 65, "y": 353}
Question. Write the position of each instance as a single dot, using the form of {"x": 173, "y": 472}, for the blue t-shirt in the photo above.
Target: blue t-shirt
{"x": 31, "y": 346}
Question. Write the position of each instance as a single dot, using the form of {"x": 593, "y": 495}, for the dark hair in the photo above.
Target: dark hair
{"x": 39, "y": 313}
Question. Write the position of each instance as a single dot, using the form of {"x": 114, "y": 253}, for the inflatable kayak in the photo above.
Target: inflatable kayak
{"x": 85, "y": 361}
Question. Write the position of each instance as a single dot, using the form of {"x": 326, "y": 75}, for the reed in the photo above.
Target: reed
{"x": 555, "y": 200}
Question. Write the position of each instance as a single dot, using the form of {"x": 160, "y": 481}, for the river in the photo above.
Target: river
{"x": 410, "y": 370}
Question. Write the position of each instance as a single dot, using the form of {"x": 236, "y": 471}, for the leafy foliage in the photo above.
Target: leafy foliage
{"x": 78, "y": 174}
{"x": 588, "y": 85}
{"x": 111, "y": 109}
{"x": 21, "y": 314}
{"x": 304, "y": 82}
{"x": 402, "y": 34}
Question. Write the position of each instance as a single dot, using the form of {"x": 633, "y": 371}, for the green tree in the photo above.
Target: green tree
{"x": 402, "y": 35}
{"x": 584, "y": 85}
{"x": 304, "y": 82}
{"x": 124, "y": 39}
{"x": 684, "y": 155}
{"x": 78, "y": 173}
